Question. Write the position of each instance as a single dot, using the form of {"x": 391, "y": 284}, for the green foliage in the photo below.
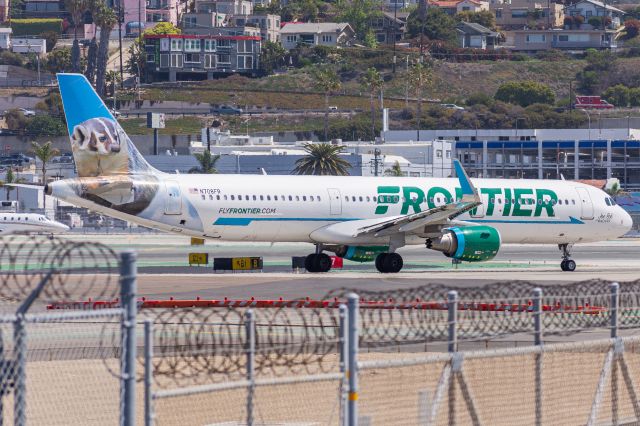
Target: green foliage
{"x": 395, "y": 170}
{"x": 7, "y": 57}
{"x": 370, "y": 40}
{"x": 600, "y": 65}
{"x": 35, "y": 26}
{"x": 435, "y": 24}
{"x": 304, "y": 10}
{"x": 353, "y": 128}
{"x": 15, "y": 120}
{"x": 485, "y": 18}
{"x": 525, "y": 93}
{"x": 358, "y": 13}
{"x": 479, "y": 99}
{"x": 92, "y": 58}
{"x": 634, "y": 97}
{"x": 52, "y": 104}
{"x": 45, "y": 125}
{"x": 137, "y": 57}
{"x": 617, "y": 95}
{"x": 51, "y": 38}
{"x": 207, "y": 163}
{"x": 58, "y": 60}
{"x": 322, "y": 159}
{"x": 17, "y": 9}
{"x": 272, "y": 57}
{"x": 10, "y": 178}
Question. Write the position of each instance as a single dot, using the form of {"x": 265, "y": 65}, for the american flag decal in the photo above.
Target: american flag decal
{"x": 193, "y": 190}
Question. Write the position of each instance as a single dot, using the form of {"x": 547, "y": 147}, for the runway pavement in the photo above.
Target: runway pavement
{"x": 164, "y": 269}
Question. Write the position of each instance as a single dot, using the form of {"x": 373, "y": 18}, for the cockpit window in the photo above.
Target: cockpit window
{"x": 606, "y": 200}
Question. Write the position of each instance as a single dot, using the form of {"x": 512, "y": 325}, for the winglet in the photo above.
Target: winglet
{"x": 465, "y": 182}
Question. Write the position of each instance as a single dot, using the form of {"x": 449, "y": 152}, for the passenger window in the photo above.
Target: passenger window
{"x": 268, "y": 197}
{"x": 232, "y": 198}
{"x": 18, "y": 218}
{"x": 353, "y": 198}
{"x": 297, "y": 198}
{"x": 360, "y": 198}
{"x": 203, "y": 197}
{"x": 438, "y": 199}
{"x": 262, "y": 198}
{"x": 275, "y": 198}
{"x": 499, "y": 200}
{"x": 290, "y": 198}
{"x": 304, "y": 198}
{"x": 311, "y": 198}
{"x": 553, "y": 202}
{"x": 431, "y": 200}
{"x": 506, "y": 201}
{"x": 573, "y": 202}
{"x": 255, "y": 198}
{"x": 346, "y": 198}
{"x": 225, "y": 198}
{"x": 211, "y": 197}
{"x": 560, "y": 202}
{"x": 319, "y": 198}
{"x": 539, "y": 202}
{"x": 375, "y": 199}
{"x": 368, "y": 199}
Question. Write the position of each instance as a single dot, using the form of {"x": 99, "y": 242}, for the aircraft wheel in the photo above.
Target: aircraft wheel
{"x": 569, "y": 265}
{"x": 393, "y": 263}
{"x": 380, "y": 262}
{"x": 323, "y": 262}
{"x": 310, "y": 263}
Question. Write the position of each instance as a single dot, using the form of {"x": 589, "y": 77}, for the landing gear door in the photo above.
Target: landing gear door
{"x": 335, "y": 200}
{"x": 172, "y": 198}
{"x": 586, "y": 205}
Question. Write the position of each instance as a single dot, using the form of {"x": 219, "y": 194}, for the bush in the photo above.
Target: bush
{"x": 595, "y": 21}
{"x": 51, "y": 38}
{"x": 479, "y": 99}
{"x": 568, "y": 21}
{"x": 33, "y": 26}
{"x": 44, "y": 125}
{"x": 632, "y": 28}
{"x": 617, "y": 95}
{"x": 634, "y": 97}
{"x": 552, "y": 55}
{"x": 15, "y": 120}
{"x": 525, "y": 93}
{"x": 9, "y": 58}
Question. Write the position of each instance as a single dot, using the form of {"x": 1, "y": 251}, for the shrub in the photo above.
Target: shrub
{"x": 595, "y": 21}
{"x": 632, "y": 28}
{"x": 9, "y": 58}
{"x": 634, "y": 97}
{"x": 578, "y": 20}
{"x": 525, "y": 93}
{"x": 15, "y": 120}
{"x": 51, "y": 38}
{"x": 45, "y": 125}
{"x": 479, "y": 99}
{"x": 618, "y": 95}
{"x": 568, "y": 21}
{"x": 35, "y": 26}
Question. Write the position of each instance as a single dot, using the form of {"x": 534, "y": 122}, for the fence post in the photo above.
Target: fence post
{"x": 537, "y": 326}
{"x": 452, "y": 306}
{"x": 148, "y": 372}
{"x": 352, "y": 369}
{"x": 20, "y": 359}
{"x": 615, "y": 300}
{"x": 128, "y": 273}
{"x": 344, "y": 356}
{"x": 251, "y": 353}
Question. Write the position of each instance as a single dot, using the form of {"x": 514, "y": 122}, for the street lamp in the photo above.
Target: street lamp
{"x": 589, "y": 118}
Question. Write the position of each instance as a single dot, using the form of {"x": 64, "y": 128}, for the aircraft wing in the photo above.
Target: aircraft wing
{"x": 438, "y": 215}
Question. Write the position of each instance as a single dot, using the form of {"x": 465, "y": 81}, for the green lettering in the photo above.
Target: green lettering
{"x": 381, "y": 208}
{"x": 437, "y": 190}
{"x": 407, "y": 191}
{"x": 519, "y": 208}
{"x": 546, "y": 200}
{"x": 491, "y": 192}
{"x": 507, "y": 202}
{"x": 458, "y": 194}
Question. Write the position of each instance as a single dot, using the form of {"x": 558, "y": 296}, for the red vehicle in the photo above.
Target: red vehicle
{"x": 594, "y": 102}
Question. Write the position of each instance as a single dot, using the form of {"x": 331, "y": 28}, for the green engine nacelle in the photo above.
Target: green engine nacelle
{"x": 470, "y": 243}
{"x": 360, "y": 253}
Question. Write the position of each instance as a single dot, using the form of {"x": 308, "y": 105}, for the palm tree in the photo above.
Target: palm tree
{"x": 327, "y": 81}
{"x": 419, "y": 79}
{"x": 106, "y": 19}
{"x": 207, "y": 163}
{"x": 44, "y": 153}
{"x": 372, "y": 81}
{"x": 75, "y": 8}
{"x": 322, "y": 159}
{"x": 395, "y": 170}
{"x": 10, "y": 178}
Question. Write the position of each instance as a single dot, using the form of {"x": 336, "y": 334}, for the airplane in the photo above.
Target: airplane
{"x": 365, "y": 219}
{"x": 29, "y": 223}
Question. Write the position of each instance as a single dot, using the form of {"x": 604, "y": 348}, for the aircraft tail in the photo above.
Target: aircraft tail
{"x": 100, "y": 146}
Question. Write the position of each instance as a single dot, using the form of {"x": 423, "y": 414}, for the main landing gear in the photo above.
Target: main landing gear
{"x": 567, "y": 263}
{"x": 389, "y": 263}
{"x": 318, "y": 262}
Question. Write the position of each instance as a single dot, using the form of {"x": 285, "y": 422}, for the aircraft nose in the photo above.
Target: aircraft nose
{"x": 626, "y": 221}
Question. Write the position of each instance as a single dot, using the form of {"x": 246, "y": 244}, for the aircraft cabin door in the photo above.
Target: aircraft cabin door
{"x": 172, "y": 198}
{"x": 335, "y": 200}
{"x": 586, "y": 205}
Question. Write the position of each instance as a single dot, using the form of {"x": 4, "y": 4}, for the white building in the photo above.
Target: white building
{"x": 29, "y": 45}
{"x": 5, "y": 38}
{"x": 317, "y": 34}
{"x": 405, "y": 136}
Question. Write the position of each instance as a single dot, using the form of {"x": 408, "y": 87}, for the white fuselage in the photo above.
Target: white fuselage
{"x": 297, "y": 208}
{"x": 29, "y": 223}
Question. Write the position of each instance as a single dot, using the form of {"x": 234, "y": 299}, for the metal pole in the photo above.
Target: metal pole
{"x": 155, "y": 141}
{"x": 148, "y": 372}
{"x": 537, "y": 325}
{"x": 128, "y": 273}
{"x": 344, "y": 356}
{"x": 120, "y": 45}
{"x": 615, "y": 300}
{"x": 20, "y": 360}
{"x": 352, "y": 370}
{"x": 452, "y": 306}
{"x": 250, "y": 330}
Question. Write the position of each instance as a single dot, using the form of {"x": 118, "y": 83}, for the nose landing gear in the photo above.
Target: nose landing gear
{"x": 567, "y": 264}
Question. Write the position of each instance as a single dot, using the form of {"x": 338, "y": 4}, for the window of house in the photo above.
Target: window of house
{"x": 519, "y": 13}
{"x": 292, "y": 38}
{"x": 245, "y": 62}
{"x": 209, "y": 61}
{"x": 326, "y": 38}
{"x": 164, "y": 60}
{"x": 224, "y": 59}
{"x": 151, "y": 58}
{"x": 224, "y": 43}
{"x": 192, "y": 58}
{"x": 192, "y": 45}
{"x": 176, "y": 60}
{"x": 176, "y": 44}
{"x": 438, "y": 153}
{"x": 209, "y": 45}
{"x": 536, "y": 38}
{"x": 190, "y": 21}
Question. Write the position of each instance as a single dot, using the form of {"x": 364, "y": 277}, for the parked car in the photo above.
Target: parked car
{"x": 227, "y": 110}
{"x": 333, "y": 108}
{"x": 452, "y": 106}
{"x": 114, "y": 112}
{"x": 27, "y": 112}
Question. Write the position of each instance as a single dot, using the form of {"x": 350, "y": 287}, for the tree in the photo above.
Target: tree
{"x": 75, "y": 8}
{"x": 92, "y": 57}
{"x": 44, "y": 153}
{"x": 51, "y": 38}
{"x": 634, "y": 97}
{"x": 372, "y": 82}
{"x": 112, "y": 79}
{"x": 272, "y": 56}
{"x": 15, "y": 120}
{"x": 617, "y": 95}
{"x": 632, "y": 28}
{"x": 322, "y": 159}
{"x": 207, "y": 163}
{"x": 395, "y": 170}
{"x": 432, "y": 22}
{"x": 106, "y": 19}
{"x": 137, "y": 56}
{"x": 485, "y": 18}
{"x": 359, "y": 14}
{"x": 525, "y": 93}
{"x": 327, "y": 81}
{"x": 75, "y": 56}
{"x": 420, "y": 78}
{"x": 58, "y": 60}
{"x": 9, "y": 179}
{"x": 45, "y": 125}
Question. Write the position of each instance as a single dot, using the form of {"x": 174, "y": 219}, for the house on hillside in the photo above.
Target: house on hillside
{"x": 451, "y": 7}
{"x": 528, "y": 13}
{"x": 536, "y": 40}
{"x": 333, "y": 34}
{"x": 476, "y": 36}
{"x": 5, "y": 38}
{"x": 589, "y": 8}
{"x": 390, "y": 24}
{"x": 269, "y": 25}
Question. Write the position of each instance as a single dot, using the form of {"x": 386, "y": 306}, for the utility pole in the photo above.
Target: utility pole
{"x": 120, "y": 19}
{"x": 406, "y": 86}
{"x": 376, "y": 162}
{"x": 395, "y": 22}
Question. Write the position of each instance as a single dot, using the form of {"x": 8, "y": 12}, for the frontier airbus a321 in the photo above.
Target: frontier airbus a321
{"x": 357, "y": 218}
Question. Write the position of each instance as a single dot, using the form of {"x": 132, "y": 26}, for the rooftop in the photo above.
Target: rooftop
{"x": 315, "y": 27}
